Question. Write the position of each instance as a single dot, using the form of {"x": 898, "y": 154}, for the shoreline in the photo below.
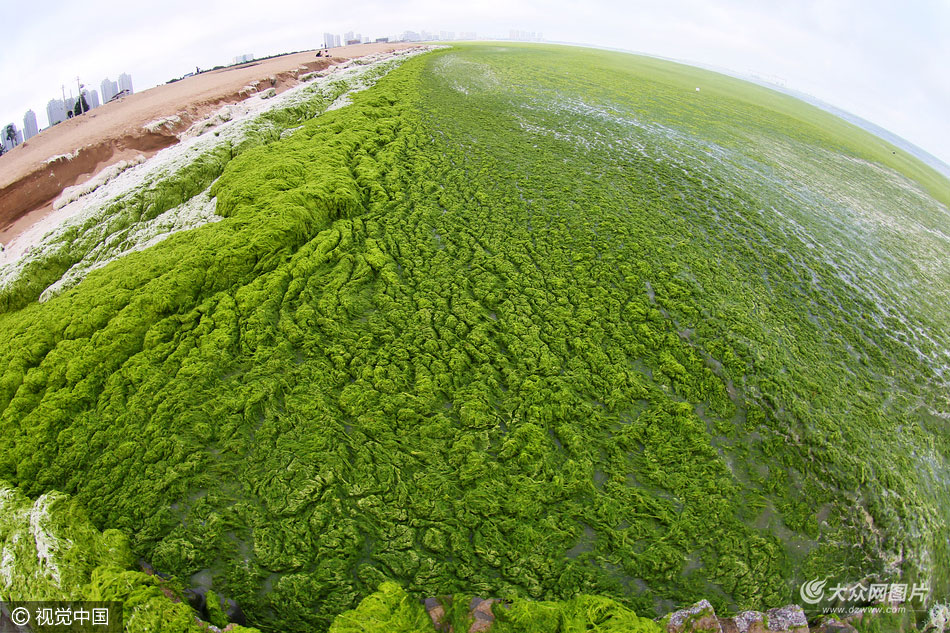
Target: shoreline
{"x": 35, "y": 173}
{"x": 81, "y": 225}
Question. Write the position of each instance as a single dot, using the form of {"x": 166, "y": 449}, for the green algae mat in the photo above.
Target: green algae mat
{"x": 521, "y": 322}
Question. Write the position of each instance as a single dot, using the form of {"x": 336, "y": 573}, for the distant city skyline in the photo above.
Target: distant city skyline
{"x": 882, "y": 61}
{"x": 58, "y": 110}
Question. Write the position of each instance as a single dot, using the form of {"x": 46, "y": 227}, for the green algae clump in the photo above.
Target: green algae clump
{"x": 391, "y": 610}
{"x": 388, "y": 610}
{"x": 49, "y": 550}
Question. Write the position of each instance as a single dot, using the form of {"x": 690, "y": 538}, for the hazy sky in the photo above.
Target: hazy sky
{"x": 885, "y": 61}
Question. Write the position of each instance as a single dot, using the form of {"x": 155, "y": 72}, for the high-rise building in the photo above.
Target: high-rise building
{"x": 348, "y": 36}
{"x": 109, "y": 89}
{"x": 243, "y": 59}
{"x": 125, "y": 83}
{"x": 55, "y": 111}
{"x": 70, "y": 105}
{"x": 9, "y": 142}
{"x": 92, "y": 98}
{"x": 30, "y": 128}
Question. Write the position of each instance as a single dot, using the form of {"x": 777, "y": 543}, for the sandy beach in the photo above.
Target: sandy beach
{"x": 33, "y": 174}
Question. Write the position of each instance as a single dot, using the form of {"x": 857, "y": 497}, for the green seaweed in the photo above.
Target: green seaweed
{"x": 166, "y": 191}
{"x": 388, "y": 610}
{"x": 502, "y": 327}
{"x": 391, "y": 610}
{"x": 49, "y": 550}
{"x": 216, "y": 614}
{"x": 577, "y": 615}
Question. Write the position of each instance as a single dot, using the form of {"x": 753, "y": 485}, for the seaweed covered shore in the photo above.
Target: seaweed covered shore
{"x": 75, "y": 561}
{"x": 528, "y": 323}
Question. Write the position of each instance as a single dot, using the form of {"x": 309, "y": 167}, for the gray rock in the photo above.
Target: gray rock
{"x": 789, "y": 619}
{"x": 699, "y": 617}
{"x": 745, "y": 622}
{"x": 234, "y": 613}
{"x": 437, "y": 614}
{"x": 481, "y": 614}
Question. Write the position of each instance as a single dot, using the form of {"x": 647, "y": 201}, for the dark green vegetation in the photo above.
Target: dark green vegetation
{"x": 519, "y": 322}
{"x": 52, "y": 552}
{"x": 392, "y": 610}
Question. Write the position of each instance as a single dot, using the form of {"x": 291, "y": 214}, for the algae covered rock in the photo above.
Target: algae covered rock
{"x": 834, "y": 626}
{"x": 49, "y": 550}
{"x": 788, "y": 619}
{"x": 698, "y": 618}
{"x": 745, "y": 622}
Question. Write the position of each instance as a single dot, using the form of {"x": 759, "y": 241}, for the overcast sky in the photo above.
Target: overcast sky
{"x": 883, "y": 60}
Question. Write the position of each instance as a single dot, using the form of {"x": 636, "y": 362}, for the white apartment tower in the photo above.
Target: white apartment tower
{"x": 55, "y": 111}
{"x": 109, "y": 89}
{"x": 125, "y": 82}
{"x": 30, "y": 128}
{"x": 92, "y": 98}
